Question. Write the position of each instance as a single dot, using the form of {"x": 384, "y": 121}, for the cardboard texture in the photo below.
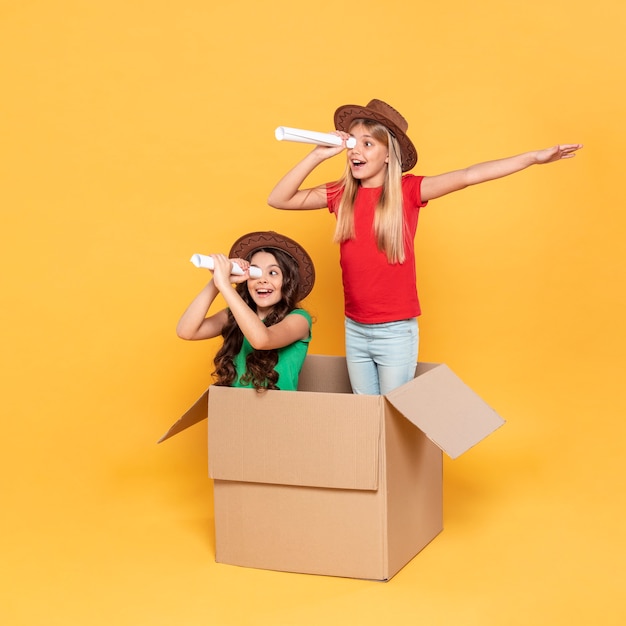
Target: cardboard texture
{"x": 322, "y": 481}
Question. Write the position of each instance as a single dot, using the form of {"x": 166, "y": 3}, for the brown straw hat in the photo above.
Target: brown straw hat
{"x": 247, "y": 244}
{"x": 381, "y": 112}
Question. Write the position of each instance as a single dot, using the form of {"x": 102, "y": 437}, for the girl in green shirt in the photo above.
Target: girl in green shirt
{"x": 265, "y": 333}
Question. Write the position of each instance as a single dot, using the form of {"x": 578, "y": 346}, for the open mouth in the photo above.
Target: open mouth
{"x": 357, "y": 163}
{"x": 264, "y": 292}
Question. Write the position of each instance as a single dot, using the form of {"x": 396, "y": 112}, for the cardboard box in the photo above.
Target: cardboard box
{"x": 322, "y": 481}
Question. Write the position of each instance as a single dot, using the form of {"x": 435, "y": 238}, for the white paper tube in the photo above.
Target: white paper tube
{"x": 206, "y": 262}
{"x": 284, "y": 133}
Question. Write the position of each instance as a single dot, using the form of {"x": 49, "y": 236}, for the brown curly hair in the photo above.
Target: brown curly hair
{"x": 260, "y": 364}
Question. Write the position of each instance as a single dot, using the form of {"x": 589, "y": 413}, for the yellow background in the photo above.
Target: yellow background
{"x": 135, "y": 133}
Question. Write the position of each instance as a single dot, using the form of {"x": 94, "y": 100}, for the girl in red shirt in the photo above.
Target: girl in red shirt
{"x": 377, "y": 206}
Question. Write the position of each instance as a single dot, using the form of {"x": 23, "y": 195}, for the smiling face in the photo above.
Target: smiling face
{"x": 369, "y": 158}
{"x": 266, "y": 291}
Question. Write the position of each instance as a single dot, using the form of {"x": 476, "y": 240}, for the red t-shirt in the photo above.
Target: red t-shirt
{"x": 375, "y": 290}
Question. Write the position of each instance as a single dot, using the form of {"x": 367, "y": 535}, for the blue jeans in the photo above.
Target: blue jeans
{"x": 381, "y": 357}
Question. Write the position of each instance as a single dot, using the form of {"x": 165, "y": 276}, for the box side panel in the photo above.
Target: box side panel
{"x": 327, "y": 374}
{"x": 414, "y": 490}
{"x": 299, "y": 529}
{"x": 294, "y": 438}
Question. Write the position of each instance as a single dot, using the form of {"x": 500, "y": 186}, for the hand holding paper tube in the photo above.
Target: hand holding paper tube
{"x": 206, "y": 262}
{"x": 284, "y": 133}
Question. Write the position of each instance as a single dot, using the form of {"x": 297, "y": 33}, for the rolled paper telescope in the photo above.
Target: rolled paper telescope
{"x": 284, "y": 133}
{"x": 206, "y": 262}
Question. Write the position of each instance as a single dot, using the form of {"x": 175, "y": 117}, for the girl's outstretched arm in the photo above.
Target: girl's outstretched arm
{"x": 287, "y": 193}
{"x": 437, "y": 186}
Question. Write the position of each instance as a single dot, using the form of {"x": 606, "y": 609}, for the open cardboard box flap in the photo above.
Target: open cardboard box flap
{"x": 445, "y": 409}
{"x": 319, "y": 373}
{"x": 196, "y": 413}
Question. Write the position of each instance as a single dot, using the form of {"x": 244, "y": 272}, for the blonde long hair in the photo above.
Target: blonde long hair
{"x": 389, "y": 214}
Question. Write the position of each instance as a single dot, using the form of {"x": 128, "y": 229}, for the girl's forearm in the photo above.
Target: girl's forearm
{"x": 491, "y": 170}
{"x": 194, "y": 316}
{"x": 287, "y": 193}
{"x": 253, "y": 328}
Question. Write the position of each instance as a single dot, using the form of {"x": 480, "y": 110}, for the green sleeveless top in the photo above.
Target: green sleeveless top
{"x": 290, "y": 359}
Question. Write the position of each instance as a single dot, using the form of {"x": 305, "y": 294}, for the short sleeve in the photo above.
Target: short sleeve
{"x": 412, "y": 190}
{"x": 308, "y": 318}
